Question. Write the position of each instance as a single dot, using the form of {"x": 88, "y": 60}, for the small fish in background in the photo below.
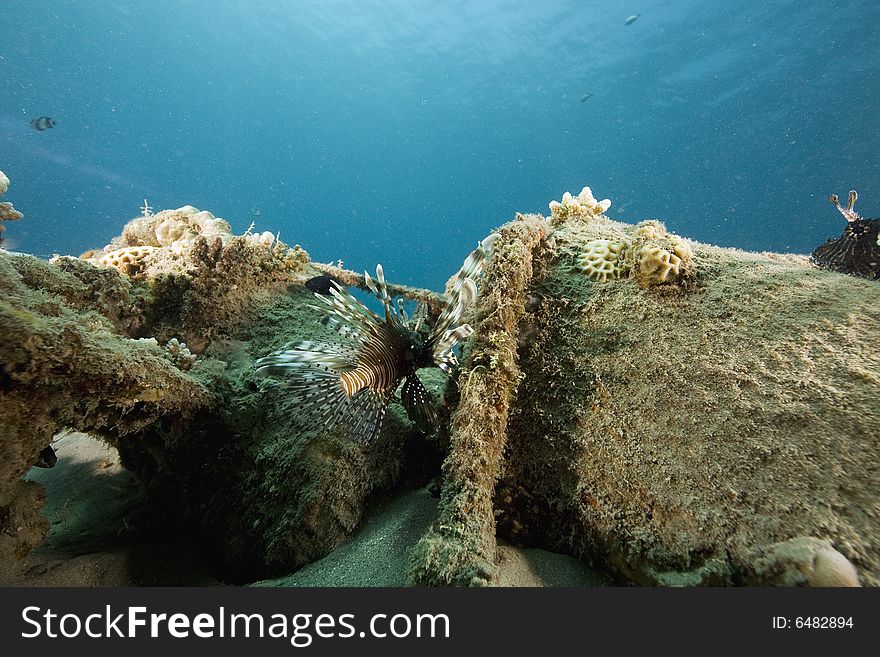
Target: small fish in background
{"x": 586, "y": 96}
{"x": 321, "y": 284}
{"x": 632, "y": 19}
{"x": 256, "y": 214}
{"x": 42, "y": 123}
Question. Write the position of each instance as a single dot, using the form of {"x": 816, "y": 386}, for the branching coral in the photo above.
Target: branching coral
{"x": 180, "y": 354}
{"x": 584, "y": 206}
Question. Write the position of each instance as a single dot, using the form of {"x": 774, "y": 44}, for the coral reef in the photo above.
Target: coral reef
{"x": 607, "y": 250}
{"x": 7, "y": 212}
{"x": 159, "y": 365}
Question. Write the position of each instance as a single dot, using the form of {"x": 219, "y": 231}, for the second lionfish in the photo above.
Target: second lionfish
{"x": 351, "y": 382}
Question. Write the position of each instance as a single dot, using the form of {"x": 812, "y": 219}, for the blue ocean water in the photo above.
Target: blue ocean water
{"x": 402, "y": 131}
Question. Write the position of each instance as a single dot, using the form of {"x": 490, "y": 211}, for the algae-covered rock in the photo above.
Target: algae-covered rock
{"x": 675, "y": 412}
{"x": 673, "y": 431}
{"x": 156, "y": 359}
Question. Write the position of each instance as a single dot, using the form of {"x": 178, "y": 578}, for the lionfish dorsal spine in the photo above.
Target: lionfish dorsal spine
{"x": 352, "y": 384}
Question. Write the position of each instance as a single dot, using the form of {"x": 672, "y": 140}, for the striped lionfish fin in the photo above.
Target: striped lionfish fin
{"x": 363, "y": 416}
{"x": 418, "y": 405}
{"x": 380, "y": 289}
{"x": 343, "y": 313}
{"x": 447, "y": 331}
{"x": 311, "y": 380}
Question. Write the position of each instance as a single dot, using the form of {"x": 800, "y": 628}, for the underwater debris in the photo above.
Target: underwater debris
{"x": 857, "y": 250}
{"x": 460, "y": 547}
{"x": 586, "y": 96}
{"x": 352, "y": 383}
{"x": 631, "y": 19}
{"x": 42, "y": 123}
{"x": 435, "y": 302}
{"x": 7, "y": 212}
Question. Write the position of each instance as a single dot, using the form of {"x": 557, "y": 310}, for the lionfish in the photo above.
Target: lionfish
{"x": 351, "y": 383}
{"x": 857, "y": 250}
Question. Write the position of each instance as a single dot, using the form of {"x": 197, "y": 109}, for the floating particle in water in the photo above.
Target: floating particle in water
{"x": 856, "y": 251}
{"x": 632, "y": 19}
{"x": 586, "y": 96}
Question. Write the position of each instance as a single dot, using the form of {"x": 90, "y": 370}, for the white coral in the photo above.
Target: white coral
{"x": 7, "y": 212}
{"x": 265, "y": 239}
{"x": 584, "y": 206}
{"x": 180, "y": 354}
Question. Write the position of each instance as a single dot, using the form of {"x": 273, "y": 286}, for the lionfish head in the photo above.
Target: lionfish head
{"x": 351, "y": 381}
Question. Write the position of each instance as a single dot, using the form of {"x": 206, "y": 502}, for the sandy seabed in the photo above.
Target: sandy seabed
{"x": 99, "y": 536}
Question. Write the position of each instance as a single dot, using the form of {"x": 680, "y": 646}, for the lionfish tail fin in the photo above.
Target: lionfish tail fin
{"x": 418, "y": 405}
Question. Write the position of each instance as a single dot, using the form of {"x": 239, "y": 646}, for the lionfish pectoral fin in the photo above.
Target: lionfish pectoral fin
{"x": 363, "y": 416}
{"x": 418, "y": 404}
